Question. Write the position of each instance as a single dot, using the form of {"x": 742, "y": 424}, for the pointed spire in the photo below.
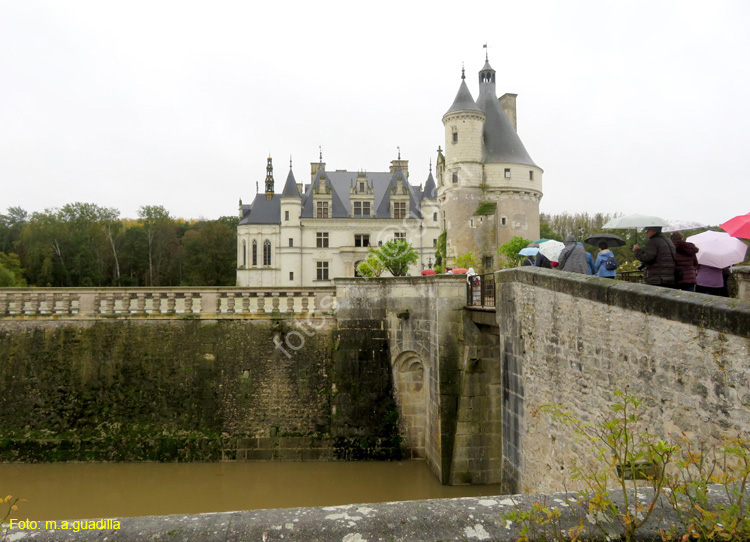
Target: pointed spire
{"x": 269, "y": 178}
{"x": 290, "y": 186}
{"x": 464, "y": 100}
{"x": 431, "y": 166}
{"x": 463, "y": 71}
{"x": 486, "y": 52}
{"x": 320, "y": 148}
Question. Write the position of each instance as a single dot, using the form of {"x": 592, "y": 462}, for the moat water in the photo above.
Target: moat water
{"x": 106, "y": 490}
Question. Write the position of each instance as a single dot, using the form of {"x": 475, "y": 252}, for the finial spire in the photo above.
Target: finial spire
{"x": 430, "y": 166}
{"x": 320, "y": 148}
{"x": 399, "y": 152}
{"x": 486, "y": 53}
{"x": 463, "y": 71}
{"x": 290, "y": 161}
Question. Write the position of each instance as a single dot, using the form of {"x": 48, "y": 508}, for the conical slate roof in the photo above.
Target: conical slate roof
{"x": 430, "y": 189}
{"x": 464, "y": 100}
{"x": 290, "y": 187}
{"x": 501, "y": 141}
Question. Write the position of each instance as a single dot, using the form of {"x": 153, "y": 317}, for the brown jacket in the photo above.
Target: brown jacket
{"x": 686, "y": 260}
{"x": 659, "y": 257}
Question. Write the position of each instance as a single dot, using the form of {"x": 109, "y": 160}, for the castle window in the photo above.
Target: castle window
{"x": 434, "y": 217}
{"x": 266, "y": 252}
{"x": 434, "y": 243}
{"x": 503, "y": 221}
{"x": 487, "y": 262}
{"x": 531, "y": 175}
{"x": 244, "y": 253}
{"x": 362, "y": 240}
{"x": 507, "y": 173}
{"x": 291, "y": 242}
{"x": 322, "y": 239}
{"x": 361, "y": 209}
{"x": 291, "y": 275}
{"x": 255, "y": 253}
{"x": 399, "y": 235}
{"x": 286, "y": 215}
{"x": 455, "y": 177}
{"x": 399, "y": 209}
{"x": 361, "y": 187}
{"x": 322, "y": 209}
{"x": 322, "y": 270}
{"x": 455, "y": 137}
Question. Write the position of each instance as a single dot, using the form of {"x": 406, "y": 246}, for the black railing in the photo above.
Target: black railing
{"x": 480, "y": 291}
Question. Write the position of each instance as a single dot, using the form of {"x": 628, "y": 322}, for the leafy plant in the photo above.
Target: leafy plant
{"x": 10, "y": 501}
{"x": 440, "y": 252}
{"x": 396, "y": 256}
{"x": 509, "y": 251}
{"x": 371, "y": 267}
{"x": 467, "y": 260}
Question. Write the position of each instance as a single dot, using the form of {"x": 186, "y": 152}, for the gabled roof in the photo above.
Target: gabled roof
{"x": 290, "y": 187}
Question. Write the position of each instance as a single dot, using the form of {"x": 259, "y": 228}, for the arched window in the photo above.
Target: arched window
{"x": 255, "y": 253}
{"x": 266, "y": 252}
{"x": 244, "y": 253}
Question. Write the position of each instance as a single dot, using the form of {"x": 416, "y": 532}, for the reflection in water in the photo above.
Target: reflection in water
{"x": 94, "y": 490}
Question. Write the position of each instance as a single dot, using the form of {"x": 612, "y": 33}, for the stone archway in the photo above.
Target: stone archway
{"x": 410, "y": 381}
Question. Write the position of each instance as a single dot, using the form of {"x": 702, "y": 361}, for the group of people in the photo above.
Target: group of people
{"x": 576, "y": 259}
{"x": 674, "y": 263}
{"x": 670, "y": 262}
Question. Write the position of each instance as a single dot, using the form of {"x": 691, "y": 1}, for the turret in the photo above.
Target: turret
{"x": 464, "y": 123}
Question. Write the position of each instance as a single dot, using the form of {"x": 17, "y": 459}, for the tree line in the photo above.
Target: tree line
{"x": 84, "y": 244}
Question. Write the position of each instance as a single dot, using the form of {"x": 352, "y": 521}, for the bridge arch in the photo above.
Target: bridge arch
{"x": 410, "y": 382}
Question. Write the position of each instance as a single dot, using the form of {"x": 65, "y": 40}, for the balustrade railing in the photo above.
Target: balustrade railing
{"x": 166, "y": 302}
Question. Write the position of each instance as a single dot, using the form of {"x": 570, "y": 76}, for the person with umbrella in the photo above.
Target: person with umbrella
{"x": 659, "y": 258}
{"x": 686, "y": 261}
{"x": 601, "y": 267}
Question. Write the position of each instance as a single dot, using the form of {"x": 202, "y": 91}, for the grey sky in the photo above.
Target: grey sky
{"x": 636, "y": 106}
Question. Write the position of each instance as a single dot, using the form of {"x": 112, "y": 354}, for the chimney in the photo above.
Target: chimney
{"x": 508, "y": 102}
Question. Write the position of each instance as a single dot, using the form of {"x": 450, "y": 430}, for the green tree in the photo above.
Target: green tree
{"x": 160, "y": 236}
{"x": 371, "y": 267}
{"x": 396, "y": 256}
{"x": 210, "y": 254}
{"x": 509, "y": 252}
{"x": 467, "y": 260}
{"x": 11, "y": 273}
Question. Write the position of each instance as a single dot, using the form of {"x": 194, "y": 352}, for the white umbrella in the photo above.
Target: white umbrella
{"x": 634, "y": 221}
{"x": 551, "y": 249}
{"x": 718, "y": 249}
{"x": 682, "y": 225}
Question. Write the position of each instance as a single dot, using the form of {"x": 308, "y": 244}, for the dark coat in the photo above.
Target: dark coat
{"x": 686, "y": 260}
{"x": 659, "y": 257}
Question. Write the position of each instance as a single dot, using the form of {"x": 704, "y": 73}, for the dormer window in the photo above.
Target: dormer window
{"x": 361, "y": 187}
{"x": 361, "y": 209}
{"x": 399, "y": 209}
{"x": 322, "y": 209}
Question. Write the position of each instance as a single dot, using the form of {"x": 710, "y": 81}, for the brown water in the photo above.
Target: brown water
{"x": 105, "y": 490}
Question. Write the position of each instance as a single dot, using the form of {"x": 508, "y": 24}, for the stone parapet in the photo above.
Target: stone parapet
{"x": 211, "y": 303}
{"x": 741, "y": 277}
{"x": 439, "y": 520}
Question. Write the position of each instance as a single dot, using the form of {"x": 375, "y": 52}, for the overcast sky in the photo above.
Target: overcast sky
{"x": 630, "y": 107}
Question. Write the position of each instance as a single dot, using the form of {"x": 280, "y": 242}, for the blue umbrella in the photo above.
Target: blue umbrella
{"x": 529, "y": 251}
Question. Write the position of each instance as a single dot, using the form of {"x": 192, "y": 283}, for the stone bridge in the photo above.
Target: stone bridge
{"x": 321, "y": 373}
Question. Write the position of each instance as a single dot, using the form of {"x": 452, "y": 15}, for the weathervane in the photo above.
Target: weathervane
{"x": 486, "y": 52}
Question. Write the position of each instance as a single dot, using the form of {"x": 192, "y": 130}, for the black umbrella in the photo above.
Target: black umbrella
{"x": 611, "y": 239}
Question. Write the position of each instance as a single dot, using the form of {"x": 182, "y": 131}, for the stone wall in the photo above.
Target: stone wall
{"x": 573, "y": 340}
{"x": 185, "y": 389}
{"x": 441, "y": 357}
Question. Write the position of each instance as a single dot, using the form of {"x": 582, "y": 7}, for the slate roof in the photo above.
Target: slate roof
{"x": 290, "y": 187}
{"x": 501, "y": 141}
{"x": 262, "y": 211}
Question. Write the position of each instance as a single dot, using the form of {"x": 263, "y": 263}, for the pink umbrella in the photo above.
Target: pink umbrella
{"x": 739, "y": 226}
{"x": 718, "y": 249}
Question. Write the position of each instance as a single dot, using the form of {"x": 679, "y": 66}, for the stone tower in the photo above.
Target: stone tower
{"x": 489, "y": 188}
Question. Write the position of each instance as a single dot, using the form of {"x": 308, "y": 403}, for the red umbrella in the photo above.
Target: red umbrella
{"x": 739, "y": 226}
{"x": 428, "y": 272}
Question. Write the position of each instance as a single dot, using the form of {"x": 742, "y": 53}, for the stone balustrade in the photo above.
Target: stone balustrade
{"x": 163, "y": 302}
